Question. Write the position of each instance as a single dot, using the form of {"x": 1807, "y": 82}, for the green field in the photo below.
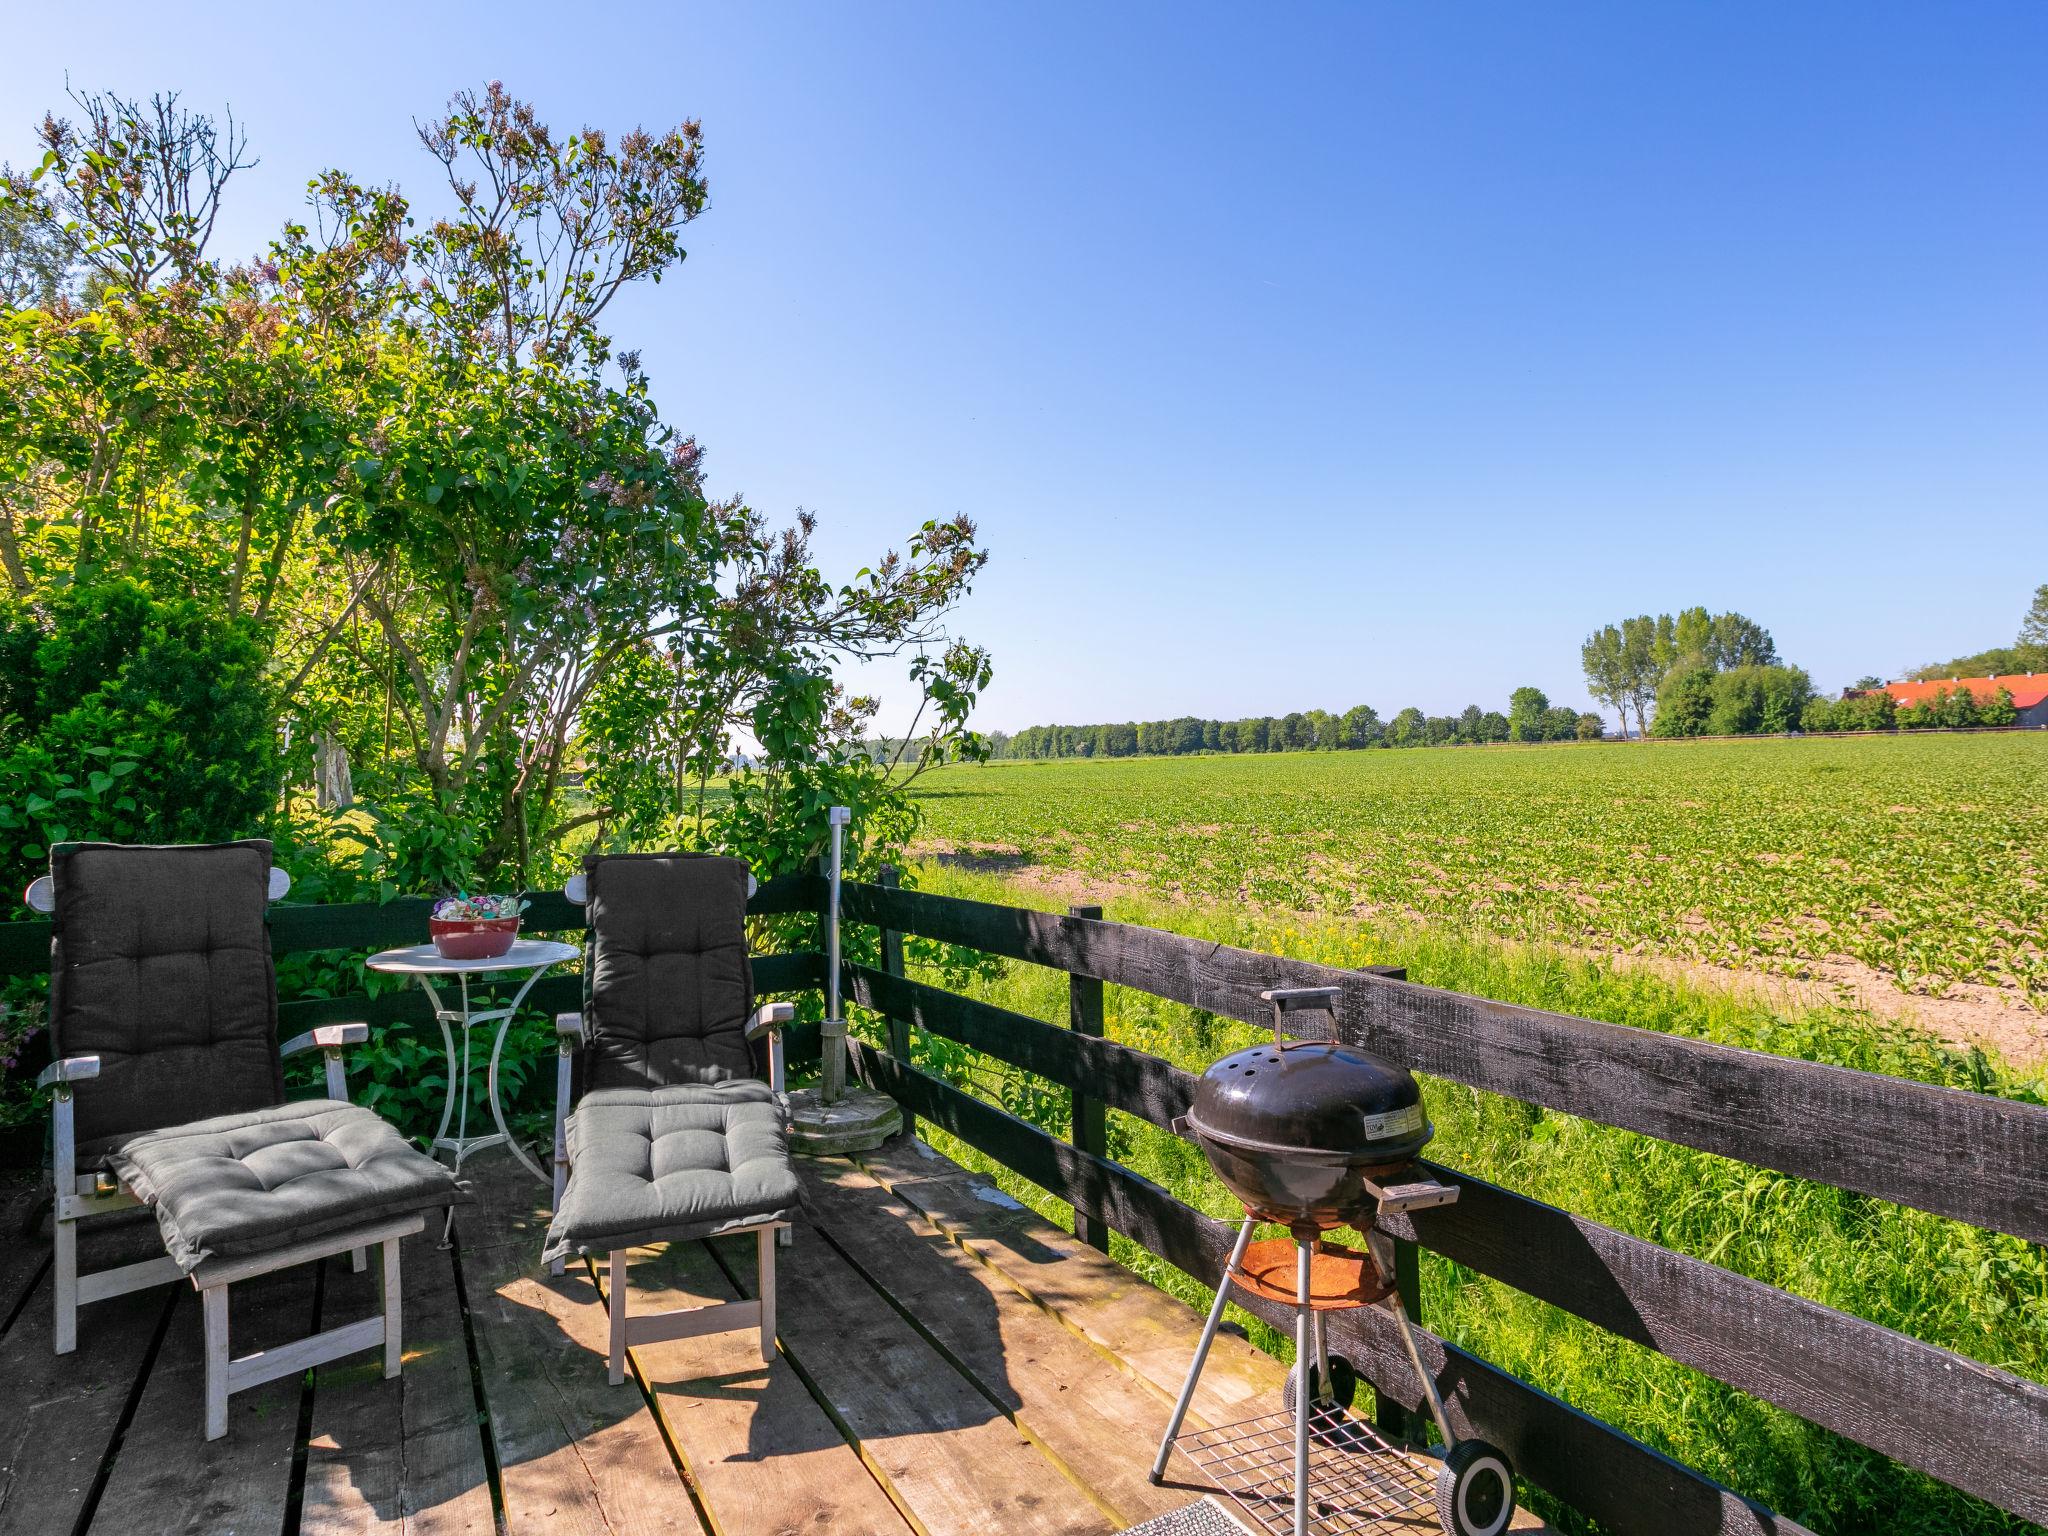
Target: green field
{"x": 1922, "y": 858}
{"x": 1333, "y": 858}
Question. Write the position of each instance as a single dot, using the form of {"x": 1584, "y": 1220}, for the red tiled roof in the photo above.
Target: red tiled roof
{"x": 2027, "y": 688}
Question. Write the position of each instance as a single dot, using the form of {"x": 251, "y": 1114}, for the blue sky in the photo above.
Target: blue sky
{"x": 1369, "y": 353}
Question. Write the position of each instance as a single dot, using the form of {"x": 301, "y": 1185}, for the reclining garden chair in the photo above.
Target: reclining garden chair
{"x": 168, "y": 1091}
{"x": 674, "y": 1136}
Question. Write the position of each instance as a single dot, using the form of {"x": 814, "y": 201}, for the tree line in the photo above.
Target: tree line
{"x": 1530, "y": 717}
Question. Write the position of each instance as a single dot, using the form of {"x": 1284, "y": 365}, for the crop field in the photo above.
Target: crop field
{"x": 1924, "y": 860}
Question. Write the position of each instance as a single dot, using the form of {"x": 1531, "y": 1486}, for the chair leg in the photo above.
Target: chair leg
{"x": 765, "y": 1289}
{"x": 394, "y": 1310}
{"x": 64, "y": 1286}
{"x": 615, "y": 1286}
{"x": 214, "y": 1303}
{"x": 358, "y": 1259}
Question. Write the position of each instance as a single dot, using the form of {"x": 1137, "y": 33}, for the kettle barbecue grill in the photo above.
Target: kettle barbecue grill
{"x": 1315, "y": 1134}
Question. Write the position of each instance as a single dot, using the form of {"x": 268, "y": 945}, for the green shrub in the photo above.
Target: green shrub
{"x": 131, "y": 719}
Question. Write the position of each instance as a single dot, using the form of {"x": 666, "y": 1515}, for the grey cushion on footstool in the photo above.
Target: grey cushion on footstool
{"x": 669, "y": 1164}
{"x": 241, "y": 1185}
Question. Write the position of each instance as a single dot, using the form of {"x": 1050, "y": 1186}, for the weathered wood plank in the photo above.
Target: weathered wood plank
{"x": 918, "y": 1421}
{"x": 1132, "y": 1325}
{"x": 1588, "y": 1464}
{"x": 1969, "y": 1156}
{"x": 167, "y": 1476}
{"x": 406, "y": 1455}
{"x": 1050, "y": 1383}
{"x": 1976, "y": 1428}
{"x": 62, "y": 1410}
{"x": 1129, "y": 1080}
{"x": 761, "y": 1453}
{"x": 576, "y": 1454}
{"x": 24, "y": 1206}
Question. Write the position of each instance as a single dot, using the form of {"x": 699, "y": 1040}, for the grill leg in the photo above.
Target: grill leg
{"x": 1187, "y": 1390}
{"x": 1429, "y": 1391}
{"x": 1304, "y": 1326}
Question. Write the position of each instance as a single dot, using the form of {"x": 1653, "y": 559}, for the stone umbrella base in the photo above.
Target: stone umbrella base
{"x": 859, "y": 1121}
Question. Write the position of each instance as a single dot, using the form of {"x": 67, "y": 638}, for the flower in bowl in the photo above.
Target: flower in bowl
{"x": 466, "y": 927}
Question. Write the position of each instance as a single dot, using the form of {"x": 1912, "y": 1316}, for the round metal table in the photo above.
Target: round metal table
{"x": 426, "y": 964}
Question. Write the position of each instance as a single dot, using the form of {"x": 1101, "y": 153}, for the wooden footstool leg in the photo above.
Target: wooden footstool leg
{"x": 213, "y": 1302}
{"x": 394, "y": 1311}
{"x": 615, "y": 1287}
{"x": 765, "y": 1240}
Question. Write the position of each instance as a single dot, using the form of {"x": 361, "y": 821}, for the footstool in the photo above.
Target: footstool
{"x": 245, "y": 1194}
{"x": 674, "y": 1164}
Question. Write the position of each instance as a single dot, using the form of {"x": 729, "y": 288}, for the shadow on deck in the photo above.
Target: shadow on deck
{"x": 948, "y": 1363}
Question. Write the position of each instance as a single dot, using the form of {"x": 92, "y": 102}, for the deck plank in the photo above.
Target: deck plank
{"x": 576, "y": 1454}
{"x": 62, "y": 1410}
{"x": 918, "y": 1421}
{"x": 405, "y": 1455}
{"x": 1149, "y": 1333}
{"x": 168, "y": 1477}
{"x": 1100, "y": 1423}
{"x": 765, "y": 1458}
{"x": 23, "y": 1258}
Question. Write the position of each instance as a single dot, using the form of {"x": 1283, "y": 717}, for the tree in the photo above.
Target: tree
{"x": 1684, "y": 702}
{"x": 1525, "y": 714}
{"x": 1471, "y": 725}
{"x": 2033, "y": 636}
{"x": 1406, "y": 728}
{"x": 1609, "y": 675}
{"x": 1999, "y": 709}
{"x": 1493, "y": 726}
{"x": 1560, "y": 723}
{"x": 1362, "y": 727}
{"x": 1592, "y": 728}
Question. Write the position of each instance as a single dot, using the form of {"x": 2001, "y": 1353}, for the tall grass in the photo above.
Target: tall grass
{"x": 1979, "y": 1293}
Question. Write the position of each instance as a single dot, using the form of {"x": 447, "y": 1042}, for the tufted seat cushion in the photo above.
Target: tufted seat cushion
{"x": 655, "y": 1164}
{"x": 241, "y": 1185}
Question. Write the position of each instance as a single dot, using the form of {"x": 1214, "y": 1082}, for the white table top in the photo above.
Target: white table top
{"x": 425, "y": 960}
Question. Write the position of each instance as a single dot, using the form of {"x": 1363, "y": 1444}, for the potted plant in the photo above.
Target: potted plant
{"x": 465, "y": 927}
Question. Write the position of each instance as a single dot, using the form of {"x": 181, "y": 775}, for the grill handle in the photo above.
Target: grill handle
{"x": 1286, "y": 1000}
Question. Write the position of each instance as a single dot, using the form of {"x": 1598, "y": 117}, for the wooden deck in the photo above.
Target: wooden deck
{"x": 949, "y": 1363}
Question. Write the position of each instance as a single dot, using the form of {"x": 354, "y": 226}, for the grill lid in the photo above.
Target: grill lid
{"x": 1315, "y": 1100}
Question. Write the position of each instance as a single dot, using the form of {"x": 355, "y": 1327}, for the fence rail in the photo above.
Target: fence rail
{"x": 1975, "y": 1427}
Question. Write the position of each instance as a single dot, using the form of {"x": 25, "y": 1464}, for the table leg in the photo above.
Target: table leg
{"x": 498, "y": 1109}
{"x": 448, "y": 1049}
{"x": 462, "y": 1089}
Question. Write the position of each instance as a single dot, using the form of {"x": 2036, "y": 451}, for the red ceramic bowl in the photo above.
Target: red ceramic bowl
{"x": 482, "y": 940}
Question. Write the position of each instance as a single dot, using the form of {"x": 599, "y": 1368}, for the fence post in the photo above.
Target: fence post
{"x": 1090, "y": 1116}
{"x": 892, "y": 962}
{"x": 1392, "y": 1420}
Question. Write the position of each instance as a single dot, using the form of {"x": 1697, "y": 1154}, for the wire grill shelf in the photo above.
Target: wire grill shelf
{"x": 1358, "y": 1484}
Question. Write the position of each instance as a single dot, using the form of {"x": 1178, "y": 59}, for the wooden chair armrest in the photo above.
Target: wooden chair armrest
{"x": 71, "y": 1069}
{"x": 770, "y": 1017}
{"x": 326, "y": 1037}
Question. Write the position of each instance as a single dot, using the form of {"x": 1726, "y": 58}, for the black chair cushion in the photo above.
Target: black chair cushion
{"x": 243, "y": 1185}
{"x": 160, "y": 966}
{"x": 668, "y": 984}
{"x": 668, "y": 1164}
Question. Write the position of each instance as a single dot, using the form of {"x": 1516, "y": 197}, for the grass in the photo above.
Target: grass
{"x": 1981, "y": 1294}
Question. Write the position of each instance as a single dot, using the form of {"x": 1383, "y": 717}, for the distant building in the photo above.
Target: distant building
{"x": 2029, "y": 692}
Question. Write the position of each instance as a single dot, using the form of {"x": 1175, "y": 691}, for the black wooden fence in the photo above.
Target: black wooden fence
{"x": 1970, "y": 1157}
